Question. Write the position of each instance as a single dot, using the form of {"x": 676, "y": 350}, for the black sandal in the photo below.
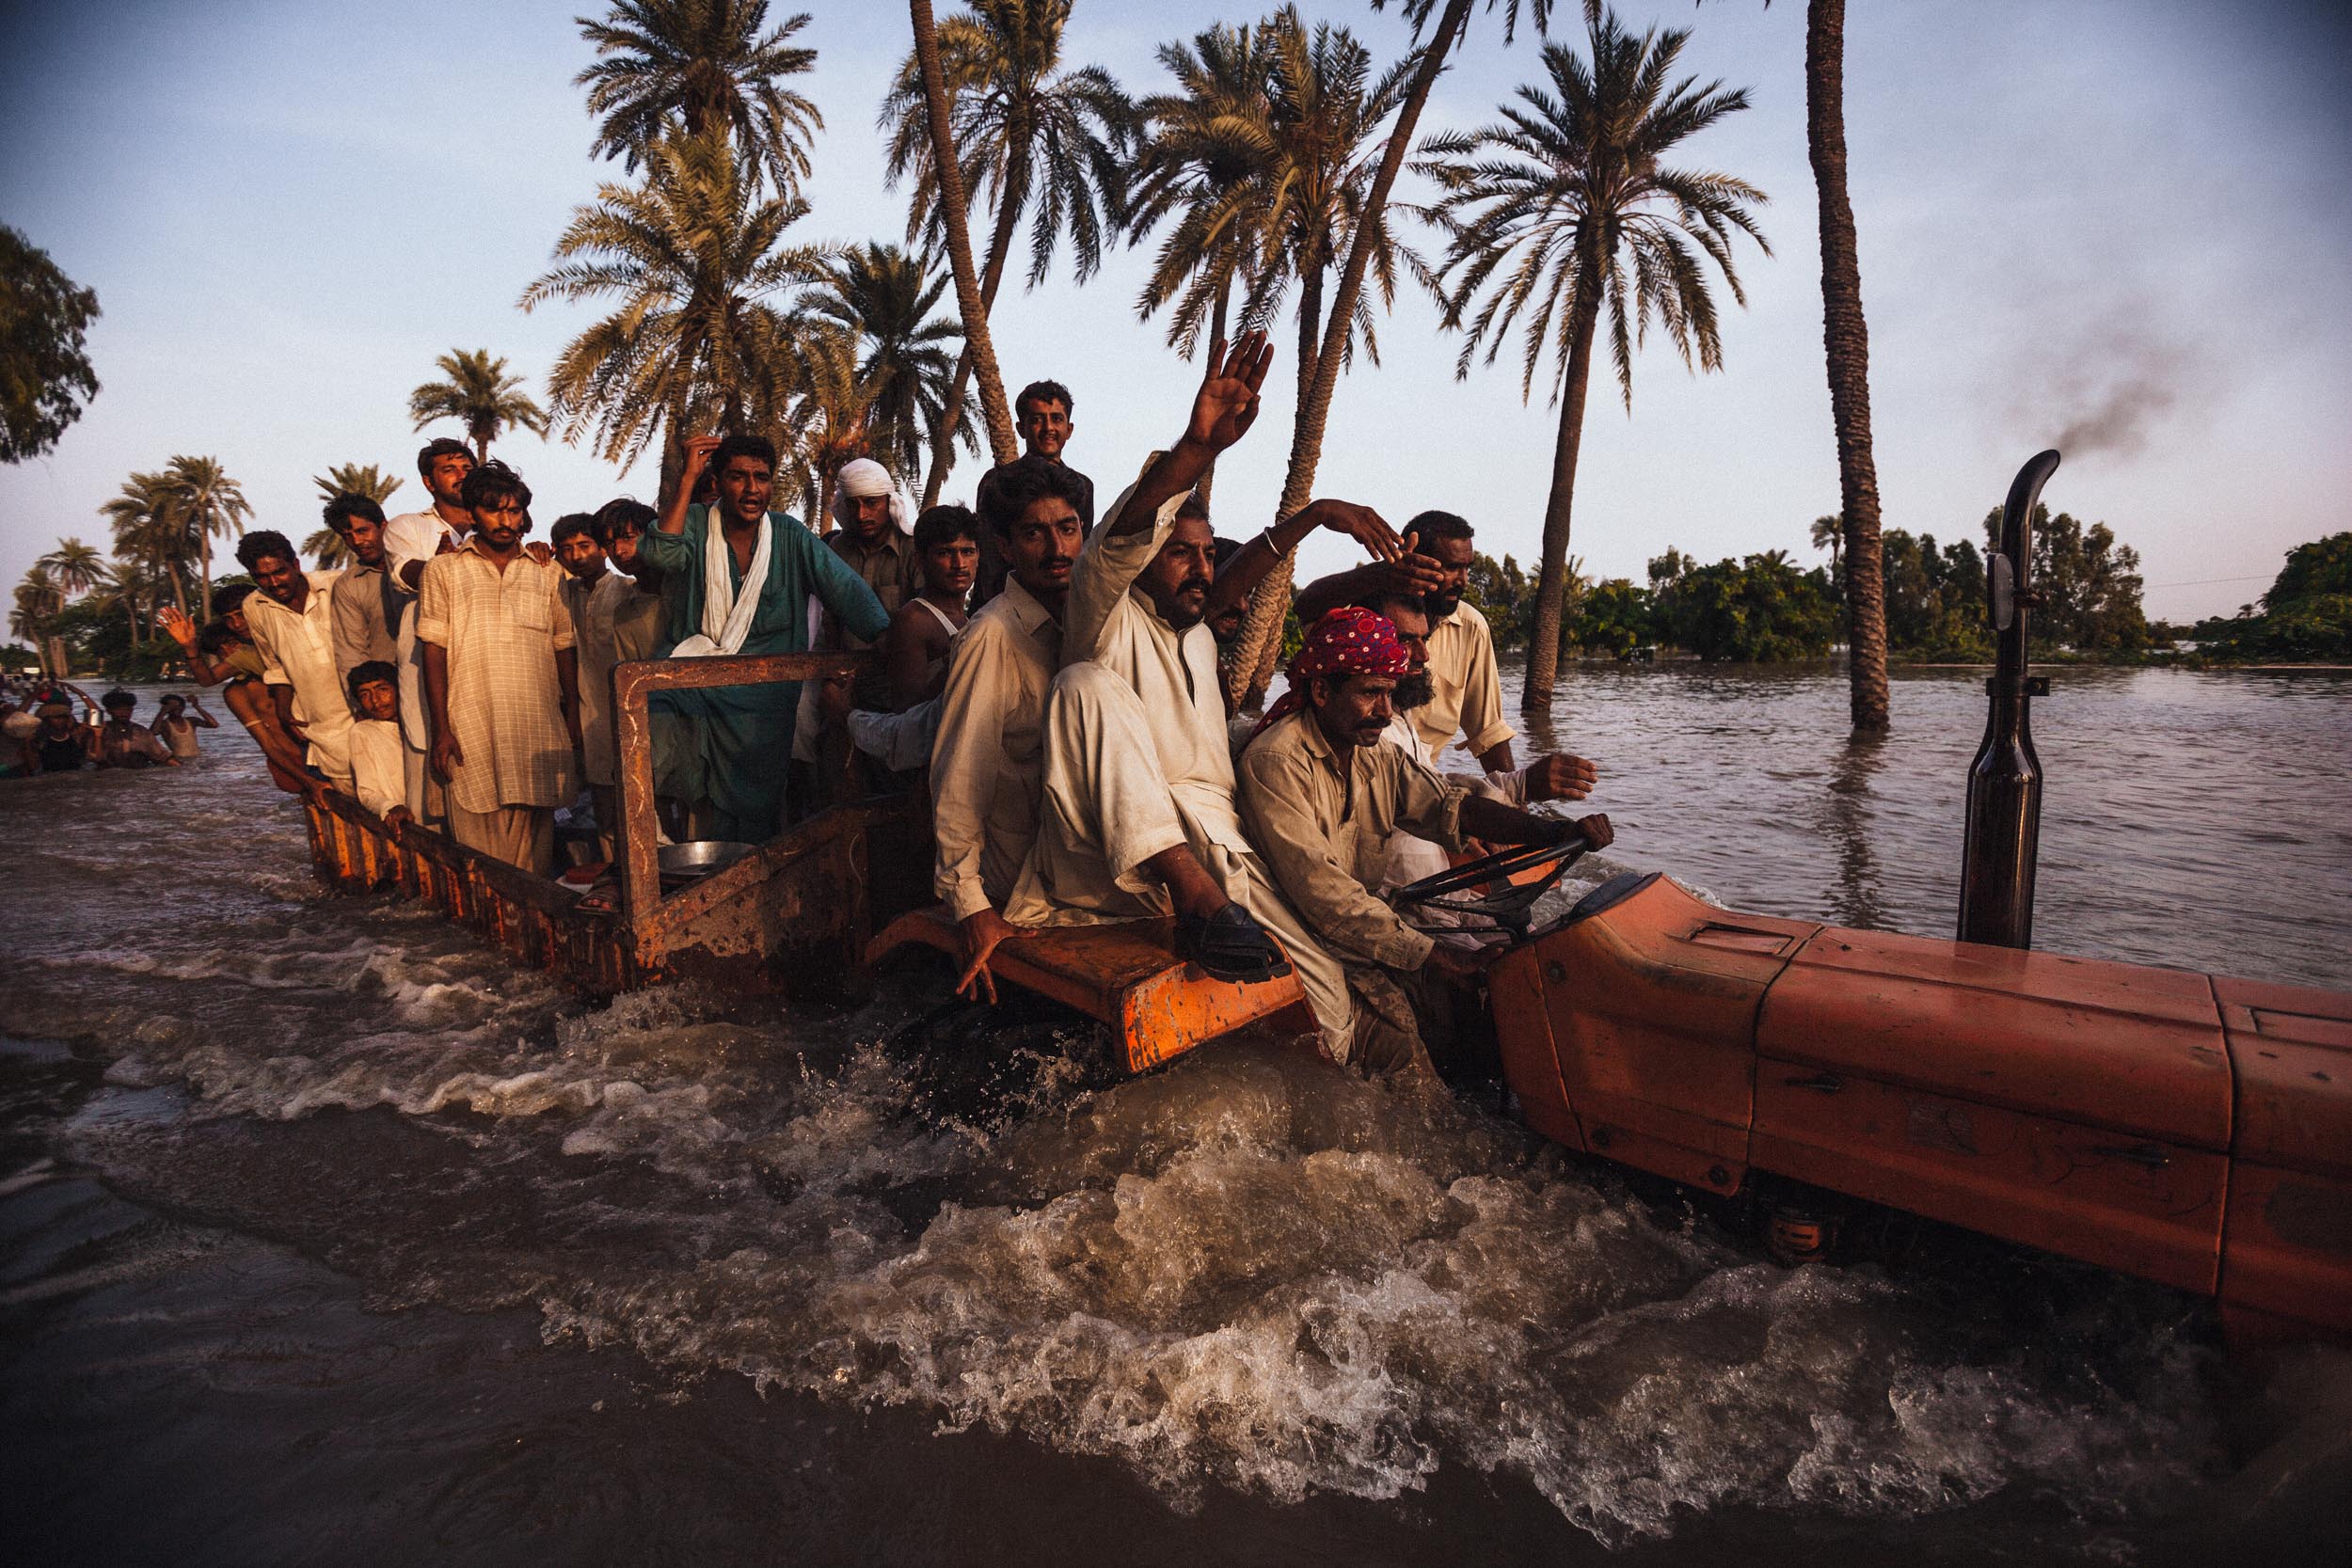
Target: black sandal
{"x": 1231, "y": 945}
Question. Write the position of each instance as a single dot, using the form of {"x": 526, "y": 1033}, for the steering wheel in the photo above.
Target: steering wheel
{"x": 1508, "y": 884}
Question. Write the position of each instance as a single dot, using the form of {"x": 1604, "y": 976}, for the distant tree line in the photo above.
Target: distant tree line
{"x": 2305, "y": 615}
{"x": 1763, "y": 607}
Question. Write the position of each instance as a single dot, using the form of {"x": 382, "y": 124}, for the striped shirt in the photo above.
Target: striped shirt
{"x": 502, "y": 630}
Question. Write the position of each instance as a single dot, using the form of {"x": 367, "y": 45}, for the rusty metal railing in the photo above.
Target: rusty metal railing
{"x": 633, "y": 684}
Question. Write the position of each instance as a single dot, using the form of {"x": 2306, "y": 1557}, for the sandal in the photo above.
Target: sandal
{"x": 1231, "y": 945}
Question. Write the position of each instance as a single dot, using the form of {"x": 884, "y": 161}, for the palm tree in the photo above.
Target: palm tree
{"x": 1846, "y": 336}
{"x": 1269, "y": 604}
{"x": 1829, "y": 533}
{"x": 38, "y": 600}
{"x": 1199, "y": 156}
{"x": 1047, "y": 143}
{"x": 148, "y": 530}
{"x": 1202, "y": 149}
{"x": 357, "y": 479}
{"x": 73, "y": 567}
{"x": 881, "y": 298}
{"x": 135, "y": 588}
{"x": 1568, "y": 191}
{"x": 830, "y": 418}
{"x": 698, "y": 260}
{"x": 476, "y": 391}
{"x": 210, "y": 505}
{"x": 1327, "y": 114}
{"x": 692, "y": 65}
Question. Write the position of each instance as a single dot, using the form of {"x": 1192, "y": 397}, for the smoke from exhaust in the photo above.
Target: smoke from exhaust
{"x": 2108, "y": 390}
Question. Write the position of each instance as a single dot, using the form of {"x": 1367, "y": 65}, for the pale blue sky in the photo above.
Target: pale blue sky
{"x": 2130, "y": 221}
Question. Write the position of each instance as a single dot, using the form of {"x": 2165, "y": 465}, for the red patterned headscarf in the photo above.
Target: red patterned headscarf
{"x": 1347, "y": 641}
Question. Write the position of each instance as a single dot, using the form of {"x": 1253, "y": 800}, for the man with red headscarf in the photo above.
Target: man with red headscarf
{"x": 1320, "y": 796}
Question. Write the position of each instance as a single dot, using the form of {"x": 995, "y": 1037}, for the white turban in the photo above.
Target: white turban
{"x": 863, "y": 476}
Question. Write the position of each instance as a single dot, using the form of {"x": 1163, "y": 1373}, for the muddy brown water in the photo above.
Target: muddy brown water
{"x": 324, "y": 1234}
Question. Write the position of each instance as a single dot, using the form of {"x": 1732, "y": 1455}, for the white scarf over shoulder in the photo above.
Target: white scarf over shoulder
{"x": 728, "y": 611}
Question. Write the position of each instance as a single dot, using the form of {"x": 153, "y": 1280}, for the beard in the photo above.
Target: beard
{"x": 1412, "y": 691}
{"x": 1439, "y": 606}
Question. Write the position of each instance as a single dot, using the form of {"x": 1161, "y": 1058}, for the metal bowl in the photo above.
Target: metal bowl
{"x": 685, "y": 863}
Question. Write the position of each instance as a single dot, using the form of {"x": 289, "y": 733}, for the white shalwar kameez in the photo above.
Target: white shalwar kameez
{"x": 1138, "y": 762}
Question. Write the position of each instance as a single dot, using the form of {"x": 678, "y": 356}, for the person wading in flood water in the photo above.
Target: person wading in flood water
{"x": 124, "y": 742}
{"x": 181, "y": 717}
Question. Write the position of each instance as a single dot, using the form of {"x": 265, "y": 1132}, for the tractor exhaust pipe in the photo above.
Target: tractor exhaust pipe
{"x": 1998, "y": 853}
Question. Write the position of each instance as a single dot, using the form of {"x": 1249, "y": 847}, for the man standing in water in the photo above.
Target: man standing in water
{"x": 124, "y": 742}
{"x": 500, "y": 678}
{"x": 292, "y": 617}
{"x": 178, "y": 721}
{"x": 1466, "y": 684}
{"x": 988, "y": 762}
{"x": 1139, "y": 815}
{"x": 1322, "y": 796}
{"x": 60, "y": 745}
{"x": 737, "y": 578}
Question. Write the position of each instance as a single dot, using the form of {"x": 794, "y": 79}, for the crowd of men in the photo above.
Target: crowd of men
{"x": 1057, "y": 686}
{"x": 38, "y": 732}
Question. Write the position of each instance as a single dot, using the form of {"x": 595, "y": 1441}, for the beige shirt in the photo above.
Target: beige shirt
{"x": 502, "y": 630}
{"x": 988, "y": 761}
{"x": 1173, "y": 671}
{"x": 367, "y": 618}
{"x": 1469, "y": 688}
{"x": 1322, "y": 823}
{"x": 412, "y": 537}
{"x": 379, "y": 765}
{"x": 889, "y": 570}
{"x": 298, "y": 651}
{"x": 612, "y": 621}
{"x": 1412, "y": 858}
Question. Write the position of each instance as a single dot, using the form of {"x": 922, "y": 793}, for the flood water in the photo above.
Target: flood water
{"x": 324, "y": 1234}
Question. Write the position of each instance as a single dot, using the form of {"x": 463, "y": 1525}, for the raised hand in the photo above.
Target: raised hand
{"x": 1360, "y": 523}
{"x": 1227, "y": 404}
{"x": 176, "y": 622}
{"x": 698, "y": 451}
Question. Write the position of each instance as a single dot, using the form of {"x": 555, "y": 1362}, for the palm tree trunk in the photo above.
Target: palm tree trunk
{"x": 1847, "y": 341}
{"x": 1542, "y": 647}
{"x": 1310, "y": 356}
{"x": 943, "y": 438}
{"x": 1217, "y": 335}
{"x": 955, "y": 219}
{"x": 204, "y": 564}
{"x": 1262, "y": 628}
